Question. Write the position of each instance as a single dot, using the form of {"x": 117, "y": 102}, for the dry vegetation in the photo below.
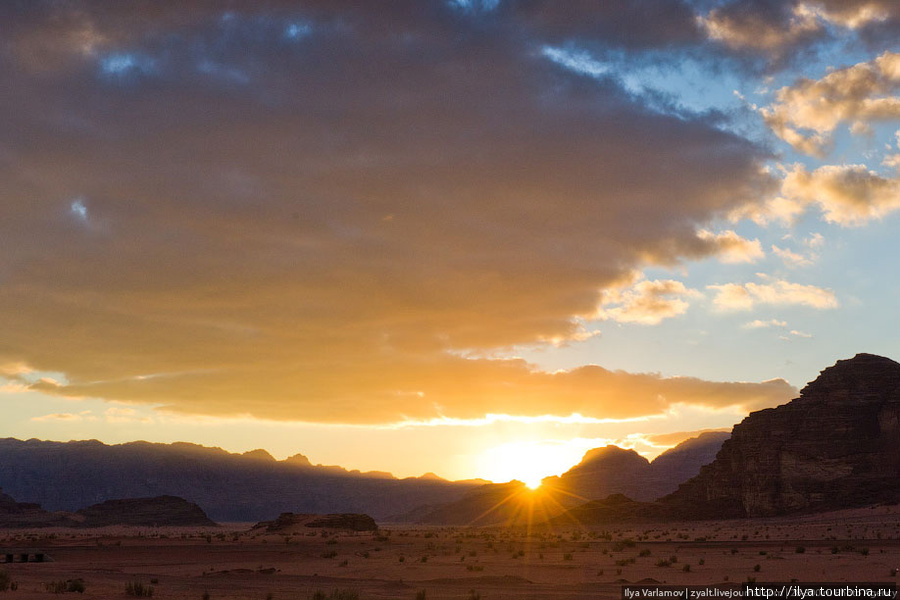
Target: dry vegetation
{"x": 451, "y": 563}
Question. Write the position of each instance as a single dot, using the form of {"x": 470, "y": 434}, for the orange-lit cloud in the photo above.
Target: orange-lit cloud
{"x": 744, "y": 296}
{"x": 776, "y": 29}
{"x": 806, "y": 113}
{"x": 307, "y": 211}
{"x": 646, "y": 302}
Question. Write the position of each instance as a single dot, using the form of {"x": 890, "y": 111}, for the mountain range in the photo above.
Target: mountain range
{"x": 837, "y": 445}
{"x": 64, "y": 476}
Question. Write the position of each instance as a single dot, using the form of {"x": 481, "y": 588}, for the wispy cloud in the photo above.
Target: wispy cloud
{"x": 744, "y": 296}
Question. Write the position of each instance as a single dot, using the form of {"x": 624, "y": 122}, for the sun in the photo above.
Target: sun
{"x": 526, "y": 461}
{"x": 532, "y": 484}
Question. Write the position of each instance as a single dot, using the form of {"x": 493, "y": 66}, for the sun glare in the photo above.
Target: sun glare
{"x": 528, "y": 462}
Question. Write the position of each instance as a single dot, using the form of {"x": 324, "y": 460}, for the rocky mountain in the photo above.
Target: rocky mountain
{"x": 162, "y": 511}
{"x": 676, "y": 465}
{"x": 228, "y": 487}
{"x": 836, "y": 446}
{"x": 287, "y": 523}
{"x": 601, "y": 473}
{"x": 25, "y": 514}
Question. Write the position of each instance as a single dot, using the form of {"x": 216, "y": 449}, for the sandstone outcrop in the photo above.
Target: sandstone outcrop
{"x": 290, "y": 522}
{"x": 27, "y": 515}
{"x": 161, "y": 511}
{"x": 836, "y": 446}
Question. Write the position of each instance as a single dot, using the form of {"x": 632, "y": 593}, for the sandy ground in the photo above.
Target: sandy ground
{"x": 459, "y": 563}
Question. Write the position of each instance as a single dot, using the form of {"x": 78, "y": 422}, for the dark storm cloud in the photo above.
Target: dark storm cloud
{"x": 301, "y": 210}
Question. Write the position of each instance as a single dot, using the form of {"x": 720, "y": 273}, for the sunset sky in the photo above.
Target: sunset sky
{"x": 473, "y": 237}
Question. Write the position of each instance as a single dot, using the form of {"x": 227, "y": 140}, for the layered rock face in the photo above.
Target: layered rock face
{"x": 836, "y": 446}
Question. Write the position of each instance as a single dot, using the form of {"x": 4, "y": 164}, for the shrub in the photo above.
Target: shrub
{"x": 686, "y": 568}
{"x": 756, "y": 568}
{"x": 345, "y": 594}
{"x": 567, "y": 556}
{"x": 420, "y": 595}
{"x": 138, "y": 589}
{"x": 65, "y": 585}
{"x": 5, "y": 581}
{"x": 800, "y": 549}
{"x": 473, "y": 595}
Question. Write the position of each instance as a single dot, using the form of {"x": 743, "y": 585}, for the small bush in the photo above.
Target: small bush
{"x": 567, "y": 556}
{"x": 329, "y": 554}
{"x": 800, "y": 549}
{"x": 756, "y": 568}
{"x": 345, "y": 594}
{"x": 644, "y": 552}
{"x": 686, "y": 568}
{"x": 473, "y": 595}
{"x": 6, "y": 581}
{"x": 420, "y": 595}
{"x": 138, "y": 589}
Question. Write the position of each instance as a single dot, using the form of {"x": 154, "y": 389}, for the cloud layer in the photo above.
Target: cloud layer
{"x": 306, "y": 210}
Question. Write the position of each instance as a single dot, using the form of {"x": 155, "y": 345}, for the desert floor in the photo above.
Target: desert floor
{"x": 458, "y": 563}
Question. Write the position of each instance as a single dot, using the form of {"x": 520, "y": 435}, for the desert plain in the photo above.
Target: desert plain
{"x": 443, "y": 563}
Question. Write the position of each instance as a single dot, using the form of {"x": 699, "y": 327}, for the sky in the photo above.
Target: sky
{"x": 469, "y": 237}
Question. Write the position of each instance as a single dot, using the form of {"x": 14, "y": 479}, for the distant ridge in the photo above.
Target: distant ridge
{"x": 602, "y": 472}
{"x": 249, "y": 487}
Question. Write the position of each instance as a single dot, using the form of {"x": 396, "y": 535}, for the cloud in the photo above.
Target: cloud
{"x": 732, "y": 248}
{"x": 299, "y": 226}
{"x": 744, "y": 296}
{"x": 58, "y": 417}
{"x": 646, "y": 302}
{"x": 756, "y": 26}
{"x": 759, "y": 324}
{"x": 848, "y": 195}
{"x": 778, "y": 29}
{"x": 791, "y": 258}
{"x": 806, "y": 113}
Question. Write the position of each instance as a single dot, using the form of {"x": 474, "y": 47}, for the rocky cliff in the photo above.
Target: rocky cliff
{"x": 836, "y": 446}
